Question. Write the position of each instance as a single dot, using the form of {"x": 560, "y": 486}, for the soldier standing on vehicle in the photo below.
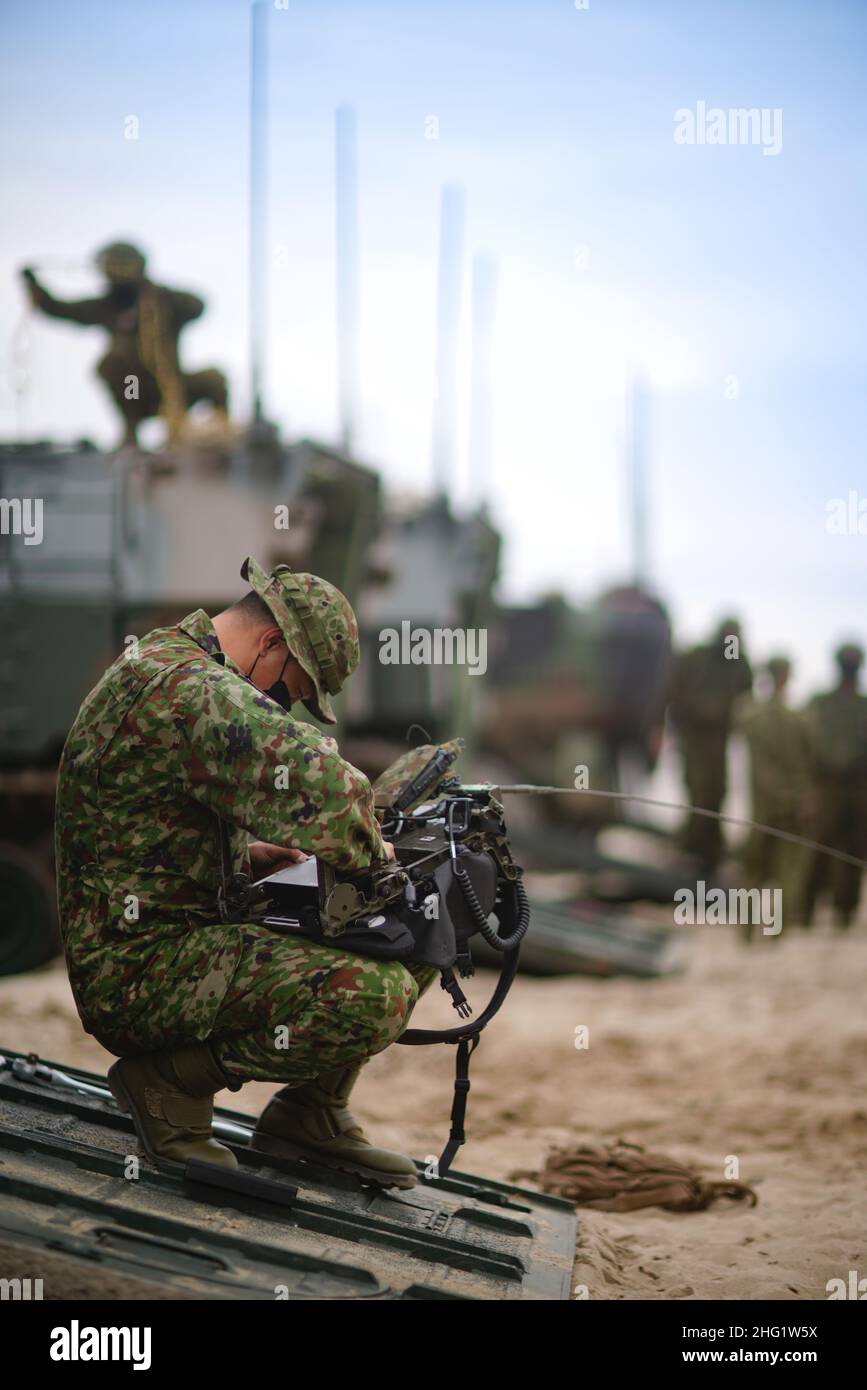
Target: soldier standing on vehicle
{"x": 182, "y": 751}
{"x": 838, "y": 720}
{"x": 141, "y": 368}
{"x": 706, "y": 682}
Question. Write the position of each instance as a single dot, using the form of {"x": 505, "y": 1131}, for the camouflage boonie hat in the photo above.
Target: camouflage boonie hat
{"x": 318, "y": 626}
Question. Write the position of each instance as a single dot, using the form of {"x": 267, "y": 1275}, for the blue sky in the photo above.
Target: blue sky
{"x": 705, "y": 262}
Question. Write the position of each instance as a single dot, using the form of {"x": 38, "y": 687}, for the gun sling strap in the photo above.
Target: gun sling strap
{"x": 467, "y": 1039}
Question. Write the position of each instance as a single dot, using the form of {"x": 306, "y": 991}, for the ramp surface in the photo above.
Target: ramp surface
{"x": 74, "y": 1205}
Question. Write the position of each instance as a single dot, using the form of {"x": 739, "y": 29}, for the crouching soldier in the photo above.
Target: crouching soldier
{"x": 182, "y": 752}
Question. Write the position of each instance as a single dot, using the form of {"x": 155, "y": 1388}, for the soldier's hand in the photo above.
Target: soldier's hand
{"x": 32, "y": 287}
{"x": 267, "y": 859}
{"x": 389, "y": 849}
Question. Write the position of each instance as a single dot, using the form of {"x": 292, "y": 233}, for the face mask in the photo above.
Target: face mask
{"x": 279, "y": 691}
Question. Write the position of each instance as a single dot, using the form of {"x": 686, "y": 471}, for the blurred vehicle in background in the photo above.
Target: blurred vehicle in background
{"x": 134, "y": 541}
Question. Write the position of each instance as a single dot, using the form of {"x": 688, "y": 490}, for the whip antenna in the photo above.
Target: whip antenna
{"x": 451, "y": 255}
{"x": 347, "y": 274}
{"x": 258, "y": 209}
{"x": 527, "y": 789}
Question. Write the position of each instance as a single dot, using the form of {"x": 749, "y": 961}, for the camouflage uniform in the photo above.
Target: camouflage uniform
{"x": 705, "y": 686}
{"x": 170, "y": 741}
{"x": 144, "y": 321}
{"x": 838, "y": 721}
{"x": 780, "y": 751}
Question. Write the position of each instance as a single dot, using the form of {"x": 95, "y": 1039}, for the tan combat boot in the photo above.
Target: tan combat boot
{"x": 170, "y": 1096}
{"x": 312, "y": 1121}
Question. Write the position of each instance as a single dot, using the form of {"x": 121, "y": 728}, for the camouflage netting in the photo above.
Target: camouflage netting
{"x": 390, "y": 783}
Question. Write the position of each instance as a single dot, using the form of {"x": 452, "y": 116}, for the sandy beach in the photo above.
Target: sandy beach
{"x": 757, "y": 1053}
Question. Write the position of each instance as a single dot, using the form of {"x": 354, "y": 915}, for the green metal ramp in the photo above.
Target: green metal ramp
{"x": 295, "y": 1231}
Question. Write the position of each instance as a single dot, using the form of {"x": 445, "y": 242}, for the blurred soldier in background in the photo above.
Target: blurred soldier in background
{"x": 706, "y": 682}
{"x": 780, "y": 750}
{"x": 141, "y": 368}
{"x": 838, "y": 722}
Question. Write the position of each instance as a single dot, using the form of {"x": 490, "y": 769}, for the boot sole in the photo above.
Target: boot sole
{"x": 284, "y": 1148}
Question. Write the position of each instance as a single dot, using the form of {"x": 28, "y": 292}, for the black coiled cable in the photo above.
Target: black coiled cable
{"x": 491, "y": 935}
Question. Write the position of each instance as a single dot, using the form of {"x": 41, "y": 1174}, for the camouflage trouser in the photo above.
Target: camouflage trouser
{"x": 840, "y": 821}
{"x": 273, "y": 1007}
{"x": 704, "y": 759}
{"x": 116, "y": 369}
{"x": 295, "y": 1009}
{"x": 773, "y": 863}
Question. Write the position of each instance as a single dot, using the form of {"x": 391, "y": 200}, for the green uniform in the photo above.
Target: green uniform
{"x": 838, "y": 721}
{"x": 780, "y": 751}
{"x": 145, "y": 321}
{"x": 170, "y": 741}
{"x": 705, "y": 686}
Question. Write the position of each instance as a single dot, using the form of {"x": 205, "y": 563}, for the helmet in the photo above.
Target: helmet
{"x": 779, "y": 667}
{"x": 397, "y": 777}
{"x": 849, "y": 657}
{"x": 318, "y": 626}
{"x": 121, "y": 261}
